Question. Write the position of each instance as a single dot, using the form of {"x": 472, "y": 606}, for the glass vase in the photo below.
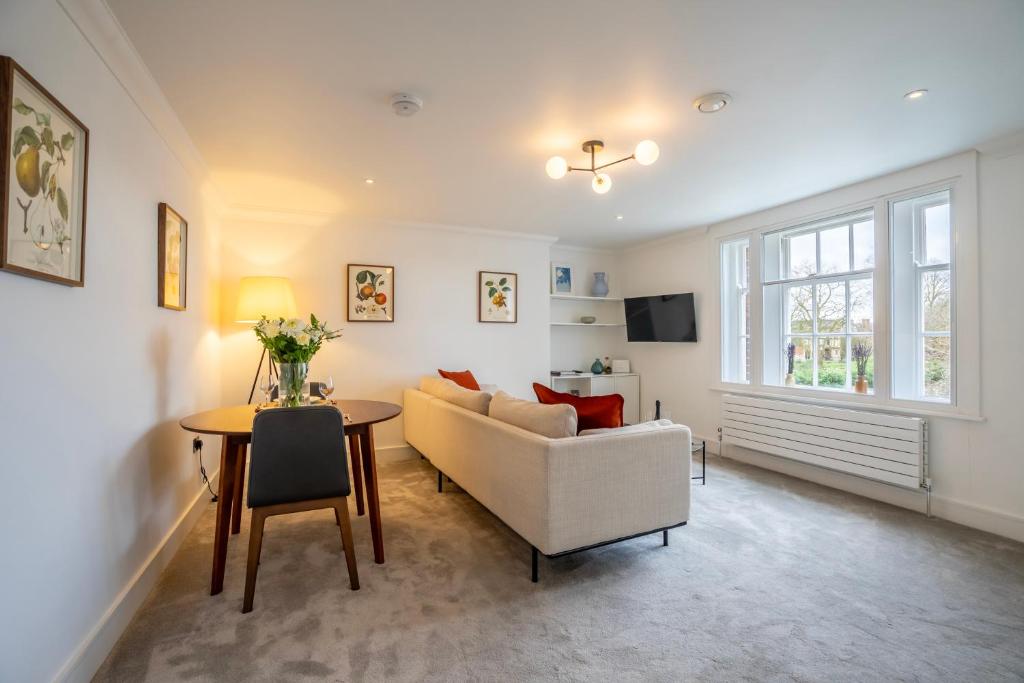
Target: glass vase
{"x": 293, "y": 386}
{"x": 600, "y": 287}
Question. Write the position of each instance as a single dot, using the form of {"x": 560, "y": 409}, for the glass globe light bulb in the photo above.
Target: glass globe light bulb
{"x": 556, "y": 167}
{"x": 601, "y": 183}
{"x": 646, "y": 152}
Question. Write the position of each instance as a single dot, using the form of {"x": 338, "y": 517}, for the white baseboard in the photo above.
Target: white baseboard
{"x": 960, "y": 512}
{"x": 386, "y": 454}
{"x": 94, "y": 648}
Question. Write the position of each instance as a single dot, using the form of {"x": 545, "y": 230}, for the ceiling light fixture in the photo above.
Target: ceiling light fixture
{"x": 916, "y": 94}
{"x": 645, "y": 154}
{"x": 619, "y": 217}
{"x": 369, "y": 181}
{"x": 712, "y": 102}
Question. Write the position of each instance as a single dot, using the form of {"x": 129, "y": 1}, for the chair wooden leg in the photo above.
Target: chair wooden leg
{"x": 337, "y": 517}
{"x": 255, "y": 546}
{"x": 357, "y": 472}
{"x": 341, "y": 511}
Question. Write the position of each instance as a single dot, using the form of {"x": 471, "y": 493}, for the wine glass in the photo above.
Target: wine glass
{"x": 267, "y": 385}
{"x": 327, "y": 388}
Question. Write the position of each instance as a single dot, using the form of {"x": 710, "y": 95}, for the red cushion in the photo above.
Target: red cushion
{"x": 592, "y": 412}
{"x": 464, "y": 379}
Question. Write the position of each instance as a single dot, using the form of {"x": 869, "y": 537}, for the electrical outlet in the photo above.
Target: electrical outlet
{"x": 197, "y": 444}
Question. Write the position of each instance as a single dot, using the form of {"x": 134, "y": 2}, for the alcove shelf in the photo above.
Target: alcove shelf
{"x": 573, "y": 297}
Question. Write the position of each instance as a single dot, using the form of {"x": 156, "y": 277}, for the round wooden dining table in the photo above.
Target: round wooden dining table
{"x": 234, "y": 424}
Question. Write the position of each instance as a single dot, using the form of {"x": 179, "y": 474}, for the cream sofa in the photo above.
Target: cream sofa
{"x": 561, "y": 495}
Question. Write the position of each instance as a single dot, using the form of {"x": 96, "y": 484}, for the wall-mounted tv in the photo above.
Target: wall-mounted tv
{"x": 664, "y": 318}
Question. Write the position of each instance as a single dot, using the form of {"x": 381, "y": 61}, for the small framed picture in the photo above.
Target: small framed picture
{"x": 371, "y": 293}
{"x": 44, "y": 162}
{"x": 172, "y": 258}
{"x": 561, "y": 278}
{"x": 498, "y": 295}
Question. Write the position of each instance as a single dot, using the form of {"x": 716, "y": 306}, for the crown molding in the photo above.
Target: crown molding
{"x": 473, "y": 230}
{"x": 579, "y": 248}
{"x": 104, "y": 33}
{"x": 1003, "y": 146}
{"x": 683, "y": 235}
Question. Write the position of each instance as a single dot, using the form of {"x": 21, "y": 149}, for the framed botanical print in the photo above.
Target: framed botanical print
{"x": 172, "y": 258}
{"x": 371, "y": 293}
{"x": 498, "y": 297}
{"x": 45, "y": 160}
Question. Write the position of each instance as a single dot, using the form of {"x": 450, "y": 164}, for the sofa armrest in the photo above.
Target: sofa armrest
{"x": 609, "y": 486}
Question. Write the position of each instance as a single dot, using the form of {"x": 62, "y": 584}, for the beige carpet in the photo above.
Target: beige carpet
{"x": 773, "y": 579}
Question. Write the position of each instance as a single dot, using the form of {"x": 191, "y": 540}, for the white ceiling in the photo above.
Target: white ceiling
{"x": 288, "y": 102}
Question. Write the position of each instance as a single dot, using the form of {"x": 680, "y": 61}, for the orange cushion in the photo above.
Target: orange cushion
{"x": 593, "y": 412}
{"x": 464, "y": 379}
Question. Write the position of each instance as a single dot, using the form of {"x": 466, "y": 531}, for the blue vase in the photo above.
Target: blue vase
{"x": 600, "y": 285}
{"x": 598, "y": 367}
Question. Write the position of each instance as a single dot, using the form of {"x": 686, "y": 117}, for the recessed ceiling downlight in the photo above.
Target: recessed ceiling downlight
{"x": 712, "y": 102}
{"x": 916, "y": 94}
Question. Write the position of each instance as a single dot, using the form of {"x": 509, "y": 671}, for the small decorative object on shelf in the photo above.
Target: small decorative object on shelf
{"x": 790, "y": 353}
{"x": 861, "y": 354}
{"x": 620, "y": 366}
{"x": 292, "y": 344}
{"x": 607, "y": 366}
{"x": 600, "y": 285}
{"x": 588, "y": 319}
{"x": 597, "y": 367}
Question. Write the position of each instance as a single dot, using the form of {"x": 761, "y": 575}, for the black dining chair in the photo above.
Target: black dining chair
{"x": 297, "y": 463}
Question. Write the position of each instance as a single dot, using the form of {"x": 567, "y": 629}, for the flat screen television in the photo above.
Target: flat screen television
{"x": 664, "y": 318}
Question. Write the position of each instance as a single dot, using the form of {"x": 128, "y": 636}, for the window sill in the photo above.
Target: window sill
{"x": 854, "y": 402}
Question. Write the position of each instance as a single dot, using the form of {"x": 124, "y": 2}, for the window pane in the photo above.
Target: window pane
{"x": 803, "y": 360}
{"x": 935, "y": 301}
{"x": 936, "y": 367}
{"x": 862, "y": 305}
{"x": 835, "y": 250}
{"x": 922, "y": 297}
{"x": 801, "y": 252}
{"x": 936, "y": 234}
{"x": 832, "y": 362}
{"x": 799, "y": 310}
{"x": 831, "y": 307}
{"x": 863, "y": 347}
{"x": 735, "y": 263}
{"x": 864, "y": 245}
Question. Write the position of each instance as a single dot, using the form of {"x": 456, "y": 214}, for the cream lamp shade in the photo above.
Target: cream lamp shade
{"x": 269, "y": 296}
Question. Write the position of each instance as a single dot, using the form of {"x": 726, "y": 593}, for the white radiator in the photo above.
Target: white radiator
{"x": 889, "y": 448}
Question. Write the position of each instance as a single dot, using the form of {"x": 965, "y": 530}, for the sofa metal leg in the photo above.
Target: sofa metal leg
{"x": 536, "y": 553}
{"x": 664, "y": 538}
{"x": 440, "y": 482}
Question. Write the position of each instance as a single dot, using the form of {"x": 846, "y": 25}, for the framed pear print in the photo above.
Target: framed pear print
{"x": 370, "y": 293}
{"x": 497, "y": 297}
{"x": 172, "y": 258}
{"x": 44, "y": 169}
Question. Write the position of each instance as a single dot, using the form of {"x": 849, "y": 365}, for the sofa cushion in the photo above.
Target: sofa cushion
{"x": 592, "y": 412}
{"x": 629, "y": 429}
{"x": 447, "y": 390}
{"x": 464, "y": 379}
{"x": 553, "y": 421}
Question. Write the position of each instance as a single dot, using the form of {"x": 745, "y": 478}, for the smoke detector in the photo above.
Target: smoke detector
{"x": 405, "y": 104}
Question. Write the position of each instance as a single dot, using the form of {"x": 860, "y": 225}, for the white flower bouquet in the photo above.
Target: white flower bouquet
{"x": 292, "y": 344}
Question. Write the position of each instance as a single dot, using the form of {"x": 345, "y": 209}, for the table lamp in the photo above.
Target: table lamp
{"x": 260, "y": 296}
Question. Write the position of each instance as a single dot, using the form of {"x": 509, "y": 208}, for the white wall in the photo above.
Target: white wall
{"x": 977, "y": 467}
{"x": 96, "y": 471}
{"x": 435, "y": 306}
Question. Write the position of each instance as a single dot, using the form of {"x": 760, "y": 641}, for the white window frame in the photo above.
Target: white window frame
{"x": 921, "y": 248}
{"x": 741, "y": 291}
{"x": 958, "y": 174}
